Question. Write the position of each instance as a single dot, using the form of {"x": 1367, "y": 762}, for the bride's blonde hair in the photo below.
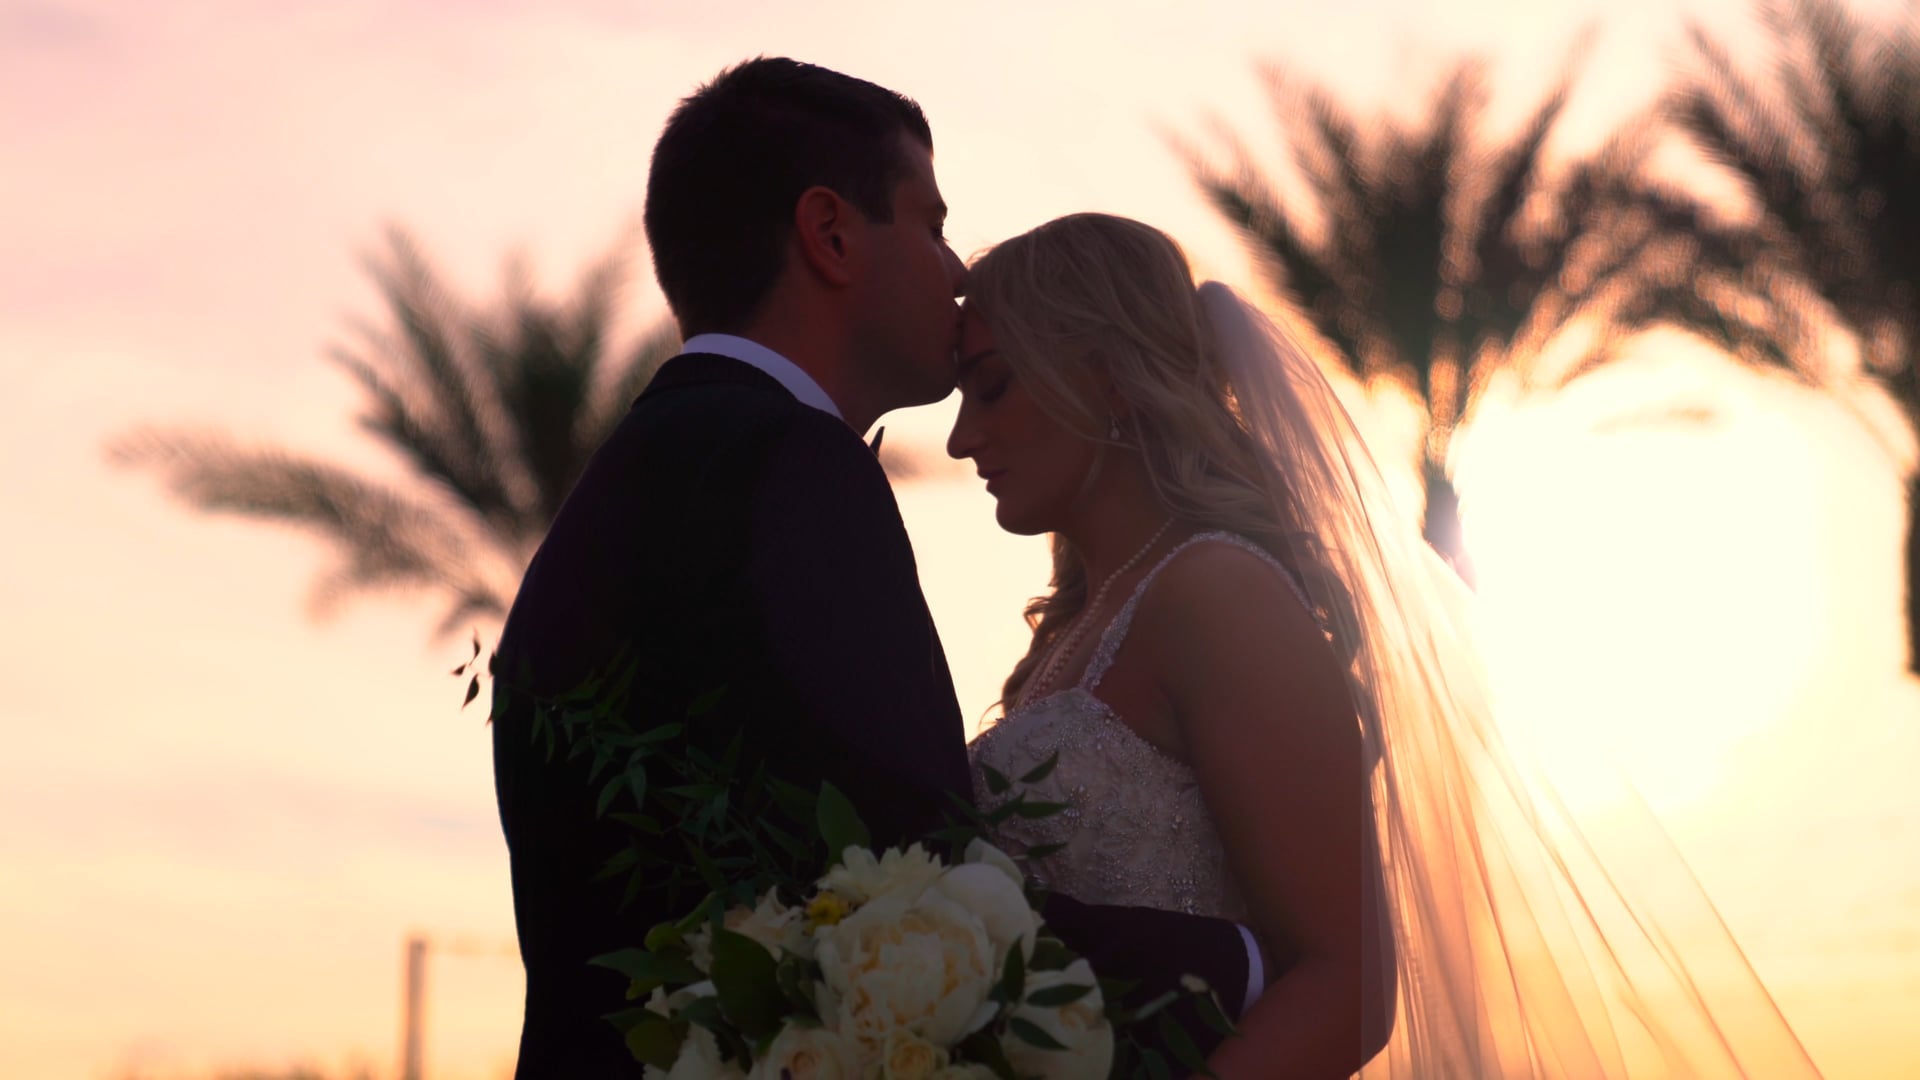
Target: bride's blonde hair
{"x": 1090, "y": 304}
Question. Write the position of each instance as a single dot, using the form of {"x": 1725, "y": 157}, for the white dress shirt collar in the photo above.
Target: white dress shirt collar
{"x": 756, "y": 355}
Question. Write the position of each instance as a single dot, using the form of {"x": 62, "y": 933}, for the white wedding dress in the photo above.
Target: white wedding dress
{"x": 1527, "y": 941}
{"x": 1136, "y": 831}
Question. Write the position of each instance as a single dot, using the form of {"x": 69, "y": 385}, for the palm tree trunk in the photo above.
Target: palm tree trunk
{"x": 1913, "y": 573}
{"x": 1442, "y": 529}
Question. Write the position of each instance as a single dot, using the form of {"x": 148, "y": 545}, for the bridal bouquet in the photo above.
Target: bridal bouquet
{"x": 895, "y": 965}
{"x": 892, "y": 964}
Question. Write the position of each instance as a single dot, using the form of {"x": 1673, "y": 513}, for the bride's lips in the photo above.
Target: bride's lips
{"x": 991, "y": 476}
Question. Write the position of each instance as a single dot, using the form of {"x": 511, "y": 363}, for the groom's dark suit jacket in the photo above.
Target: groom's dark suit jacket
{"x": 732, "y": 536}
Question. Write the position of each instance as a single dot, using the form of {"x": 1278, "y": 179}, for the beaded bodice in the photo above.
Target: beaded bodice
{"x": 1135, "y": 831}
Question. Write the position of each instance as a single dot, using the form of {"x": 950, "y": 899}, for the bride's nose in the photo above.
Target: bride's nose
{"x": 964, "y": 440}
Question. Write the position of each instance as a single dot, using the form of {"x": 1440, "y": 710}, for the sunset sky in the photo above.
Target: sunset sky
{"x": 218, "y": 819}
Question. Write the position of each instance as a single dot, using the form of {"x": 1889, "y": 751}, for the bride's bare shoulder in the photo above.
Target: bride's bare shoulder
{"x": 1224, "y": 577}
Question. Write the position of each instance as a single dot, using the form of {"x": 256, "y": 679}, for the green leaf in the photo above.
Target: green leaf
{"x": 704, "y": 866}
{"x": 795, "y": 800}
{"x": 664, "y": 936}
{"x": 624, "y": 859}
{"x": 997, "y": 781}
{"x": 660, "y": 968}
{"x": 1156, "y": 1005}
{"x": 1003, "y": 813}
{"x": 746, "y": 979}
{"x": 659, "y": 734}
{"x": 1156, "y": 1065}
{"x": 706, "y": 1012}
{"x": 1175, "y": 1038}
{"x": 702, "y": 912}
{"x": 637, "y": 782}
{"x": 1038, "y": 809}
{"x": 607, "y": 794}
{"x": 654, "y": 1040}
{"x": 796, "y": 983}
{"x": 1041, "y": 851}
{"x": 641, "y": 822}
{"x": 1041, "y": 771}
{"x": 1055, "y": 996}
{"x": 697, "y": 791}
{"x": 1213, "y": 1015}
{"x": 705, "y": 703}
{"x": 1033, "y": 1034}
{"x": 1013, "y": 976}
{"x": 1050, "y": 954}
{"x": 982, "y": 1047}
{"x": 840, "y": 824}
{"x": 635, "y": 882}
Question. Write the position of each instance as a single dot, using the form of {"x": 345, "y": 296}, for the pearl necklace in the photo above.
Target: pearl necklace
{"x": 1067, "y": 645}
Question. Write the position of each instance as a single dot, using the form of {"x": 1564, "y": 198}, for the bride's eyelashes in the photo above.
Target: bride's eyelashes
{"x": 993, "y": 393}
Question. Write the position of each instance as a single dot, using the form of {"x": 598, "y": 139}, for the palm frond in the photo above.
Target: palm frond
{"x": 1295, "y": 268}
{"x": 385, "y": 539}
{"x": 453, "y": 411}
{"x": 410, "y": 428}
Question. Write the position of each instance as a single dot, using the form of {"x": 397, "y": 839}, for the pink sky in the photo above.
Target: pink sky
{"x": 218, "y": 820}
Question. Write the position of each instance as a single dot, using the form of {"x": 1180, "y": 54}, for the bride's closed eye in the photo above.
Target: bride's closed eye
{"x": 993, "y": 390}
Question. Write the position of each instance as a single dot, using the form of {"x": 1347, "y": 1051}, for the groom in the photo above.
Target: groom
{"x": 737, "y": 531}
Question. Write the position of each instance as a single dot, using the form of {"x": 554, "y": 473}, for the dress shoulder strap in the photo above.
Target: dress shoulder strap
{"x": 1116, "y": 631}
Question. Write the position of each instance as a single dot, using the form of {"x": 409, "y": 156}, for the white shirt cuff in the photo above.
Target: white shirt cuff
{"x": 1256, "y": 971}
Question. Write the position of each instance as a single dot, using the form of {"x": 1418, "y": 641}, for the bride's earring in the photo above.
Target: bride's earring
{"x": 1113, "y": 428}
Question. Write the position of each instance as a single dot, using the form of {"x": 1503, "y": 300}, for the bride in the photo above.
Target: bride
{"x": 1264, "y": 706}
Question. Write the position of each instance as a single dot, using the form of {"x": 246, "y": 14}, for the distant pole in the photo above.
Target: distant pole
{"x": 414, "y": 1003}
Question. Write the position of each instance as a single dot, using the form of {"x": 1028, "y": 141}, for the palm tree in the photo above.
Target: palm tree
{"x": 494, "y": 413}
{"x": 1832, "y": 158}
{"x": 1438, "y": 258}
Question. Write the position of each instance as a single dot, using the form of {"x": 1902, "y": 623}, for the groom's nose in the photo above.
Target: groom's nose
{"x": 957, "y": 270}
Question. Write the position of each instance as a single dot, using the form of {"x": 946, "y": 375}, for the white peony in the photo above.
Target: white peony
{"x": 979, "y": 851}
{"x": 801, "y": 1053}
{"x": 997, "y": 901}
{"x": 861, "y": 877}
{"x": 1081, "y": 1027}
{"x": 769, "y": 922}
{"x": 924, "y": 964}
{"x": 907, "y": 1056}
{"x": 699, "y": 1060}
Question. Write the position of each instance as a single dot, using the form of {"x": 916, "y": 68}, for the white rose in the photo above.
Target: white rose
{"x": 925, "y": 965}
{"x": 700, "y": 1060}
{"x": 998, "y": 903}
{"x": 909, "y": 1057}
{"x": 979, "y": 851}
{"x": 1080, "y": 1026}
{"x": 800, "y": 1053}
{"x": 769, "y": 922}
{"x": 861, "y": 877}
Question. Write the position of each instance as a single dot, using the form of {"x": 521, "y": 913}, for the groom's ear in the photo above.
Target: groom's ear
{"x": 824, "y": 229}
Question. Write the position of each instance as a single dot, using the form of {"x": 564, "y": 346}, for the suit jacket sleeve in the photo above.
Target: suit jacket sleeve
{"x": 849, "y": 629}
{"x": 1155, "y": 948}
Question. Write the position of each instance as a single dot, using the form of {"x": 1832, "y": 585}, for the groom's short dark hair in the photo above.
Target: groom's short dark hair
{"x": 733, "y": 161}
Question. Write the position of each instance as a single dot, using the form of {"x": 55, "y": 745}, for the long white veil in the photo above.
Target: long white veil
{"x": 1529, "y": 942}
